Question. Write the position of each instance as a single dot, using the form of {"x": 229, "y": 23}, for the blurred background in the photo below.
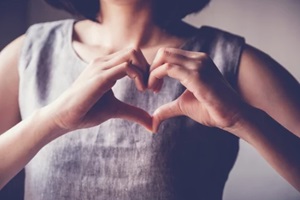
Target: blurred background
{"x": 270, "y": 25}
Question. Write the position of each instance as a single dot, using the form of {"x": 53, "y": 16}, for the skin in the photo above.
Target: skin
{"x": 125, "y": 49}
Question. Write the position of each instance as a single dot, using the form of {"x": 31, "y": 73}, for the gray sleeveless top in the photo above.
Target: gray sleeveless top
{"x": 119, "y": 159}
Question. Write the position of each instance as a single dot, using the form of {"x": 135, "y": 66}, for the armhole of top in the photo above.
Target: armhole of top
{"x": 25, "y": 51}
{"x": 239, "y": 49}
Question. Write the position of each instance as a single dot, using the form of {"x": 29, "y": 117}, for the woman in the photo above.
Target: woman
{"x": 209, "y": 88}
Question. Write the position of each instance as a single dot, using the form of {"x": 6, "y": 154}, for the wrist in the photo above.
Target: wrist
{"x": 248, "y": 118}
{"x": 47, "y": 128}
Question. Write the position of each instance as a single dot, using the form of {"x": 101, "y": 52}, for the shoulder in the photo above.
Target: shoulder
{"x": 49, "y": 26}
{"x": 9, "y": 56}
{"x": 39, "y": 34}
{"x": 219, "y": 34}
{"x": 9, "y": 82}
{"x": 265, "y": 84}
{"x": 9, "y": 61}
{"x": 260, "y": 68}
{"x": 46, "y": 30}
{"x": 217, "y": 42}
{"x": 258, "y": 64}
{"x": 221, "y": 42}
{"x": 42, "y": 39}
{"x": 224, "y": 48}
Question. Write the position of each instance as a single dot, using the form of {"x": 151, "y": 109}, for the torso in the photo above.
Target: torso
{"x": 119, "y": 159}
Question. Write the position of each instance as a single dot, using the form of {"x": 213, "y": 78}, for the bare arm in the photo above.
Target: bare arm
{"x": 266, "y": 93}
{"x": 94, "y": 103}
{"x": 266, "y": 85}
{"x": 19, "y": 143}
{"x": 9, "y": 84}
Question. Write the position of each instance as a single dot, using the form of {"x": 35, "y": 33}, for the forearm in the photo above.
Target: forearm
{"x": 20, "y": 144}
{"x": 275, "y": 143}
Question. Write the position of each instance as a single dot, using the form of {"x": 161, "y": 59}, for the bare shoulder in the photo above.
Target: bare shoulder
{"x": 9, "y": 84}
{"x": 9, "y": 60}
{"x": 265, "y": 84}
{"x": 11, "y": 52}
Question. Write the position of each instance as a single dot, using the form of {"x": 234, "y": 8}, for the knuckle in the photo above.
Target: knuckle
{"x": 200, "y": 63}
{"x": 190, "y": 76}
{"x": 126, "y": 65}
{"x": 161, "y": 50}
{"x": 204, "y": 56}
{"x": 168, "y": 66}
{"x": 131, "y": 51}
{"x": 195, "y": 65}
{"x": 200, "y": 56}
{"x": 164, "y": 51}
{"x": 194, "y": 74}
{"x": 129, "y": 70}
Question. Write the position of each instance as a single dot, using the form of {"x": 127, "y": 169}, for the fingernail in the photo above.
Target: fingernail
{"x": 154, "y": 87}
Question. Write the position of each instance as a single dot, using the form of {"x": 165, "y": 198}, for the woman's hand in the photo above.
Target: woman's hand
{"x": 90, "y": 100}
{"x": 208, "y": 98}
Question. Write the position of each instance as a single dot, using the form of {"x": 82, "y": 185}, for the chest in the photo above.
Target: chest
{"x": 88, "y": 53}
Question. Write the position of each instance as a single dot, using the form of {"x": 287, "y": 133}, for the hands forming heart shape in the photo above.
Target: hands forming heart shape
{"x": 208, "y": 98}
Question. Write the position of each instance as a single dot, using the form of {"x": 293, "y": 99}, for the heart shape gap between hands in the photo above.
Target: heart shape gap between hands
{"x": 208, "y": 98}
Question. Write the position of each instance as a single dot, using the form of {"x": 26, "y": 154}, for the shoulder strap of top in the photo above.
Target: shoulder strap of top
{"x": 44, "y": 50}
{"x": 224, "y": 48}
{"x": 42, "y": 39}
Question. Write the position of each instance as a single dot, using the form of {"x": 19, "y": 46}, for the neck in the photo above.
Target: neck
{"x": 127, "y": 24}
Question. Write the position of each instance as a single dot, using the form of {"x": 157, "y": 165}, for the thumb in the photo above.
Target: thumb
{"x": 132, "y": 113}
{"x": 164, "y": 112}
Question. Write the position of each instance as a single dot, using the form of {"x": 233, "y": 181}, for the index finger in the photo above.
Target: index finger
{"x": 134, "y": 56}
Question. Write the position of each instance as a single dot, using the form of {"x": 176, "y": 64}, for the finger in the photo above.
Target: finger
{"x": 120, "y": 71}
{"x": 103, "y": 82}
{"x": 175, "y": 56}
{"x": 144, "y": 65}
{"x": 164, "y": 112}
{"x": 184, "y": 75}
{"x": 158, "y": 86}
{"x": 135, "y": 56}
{"x": 132, "y": 113}
{"x": 142, "y": 60}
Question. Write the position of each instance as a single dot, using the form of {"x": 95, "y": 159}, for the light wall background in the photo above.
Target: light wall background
{"x": 270, "y": 25}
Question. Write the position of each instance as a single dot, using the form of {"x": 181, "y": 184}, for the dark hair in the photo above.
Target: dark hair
{"x": 165, "y": 11}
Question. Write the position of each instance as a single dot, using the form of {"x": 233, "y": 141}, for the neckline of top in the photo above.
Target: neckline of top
{"x": 70, "y": 32}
